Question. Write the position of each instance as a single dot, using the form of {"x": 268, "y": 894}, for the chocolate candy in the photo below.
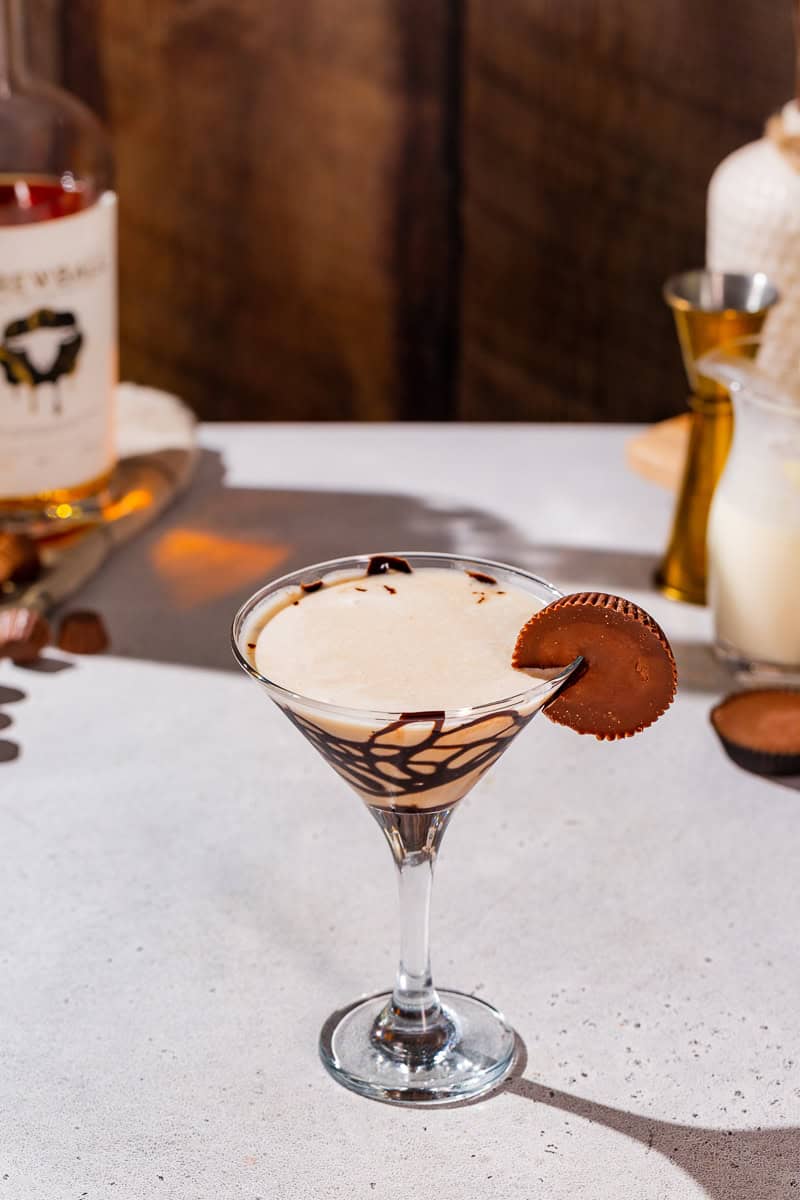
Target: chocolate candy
{"x": 83, "y": 632}
{"x": 23, "y": 634}
{"x": 19, "y": 558}
{"x": 760, "y": 730}
{"x": 628, "y": 675}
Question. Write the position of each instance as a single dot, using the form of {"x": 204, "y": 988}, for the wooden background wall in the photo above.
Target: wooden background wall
{"x": 422, "y": 209}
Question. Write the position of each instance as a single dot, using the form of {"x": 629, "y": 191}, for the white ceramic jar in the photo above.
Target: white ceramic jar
{"x": 753, "y": 224}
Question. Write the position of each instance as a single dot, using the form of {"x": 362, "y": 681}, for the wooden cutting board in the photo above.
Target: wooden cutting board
{"x": 659, "y": 453}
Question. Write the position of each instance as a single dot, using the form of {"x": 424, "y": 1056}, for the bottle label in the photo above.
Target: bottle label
{"x": 58, "y": 350}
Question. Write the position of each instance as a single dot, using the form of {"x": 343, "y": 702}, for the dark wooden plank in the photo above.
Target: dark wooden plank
{"x": 284, "y": 198}
{"x": 427, "y": 243}
{"x": 290, "y": 179}
{"x": 42, "y": 41}
{"x": 590, "y": 133}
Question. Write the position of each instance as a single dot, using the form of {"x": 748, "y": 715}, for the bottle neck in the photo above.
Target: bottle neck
{"x": 13, "y": 69}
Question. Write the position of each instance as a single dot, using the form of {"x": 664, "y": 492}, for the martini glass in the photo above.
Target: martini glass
{"x": 414, "y": 1044}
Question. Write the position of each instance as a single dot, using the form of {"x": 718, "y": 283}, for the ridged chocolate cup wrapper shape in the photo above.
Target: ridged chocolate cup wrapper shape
{"x": 628, "y": 677}
{"x": 760, "y": 730}
{"x": 23, "y": 634}
{"x": 83, "y": 632}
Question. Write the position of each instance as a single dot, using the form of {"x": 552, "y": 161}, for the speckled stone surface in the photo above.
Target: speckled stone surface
{"x": 187, "y": 891}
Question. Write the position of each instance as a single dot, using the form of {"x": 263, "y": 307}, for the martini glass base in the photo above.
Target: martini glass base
{"x": 479, "y": 1055}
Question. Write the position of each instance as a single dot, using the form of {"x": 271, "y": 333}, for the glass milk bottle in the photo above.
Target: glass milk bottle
{"x": 754, "y": 525}
{"x": 58, "y": 343}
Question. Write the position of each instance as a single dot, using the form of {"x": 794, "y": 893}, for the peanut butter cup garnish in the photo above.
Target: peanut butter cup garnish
{"x": 19, "y": 558}
{"x": 379, "y": 564}
{"x": 23, "y": 634}
{"x": 83, "y": 632}
{"x": 628, "y": 675}
{"x": 760, "y": 730}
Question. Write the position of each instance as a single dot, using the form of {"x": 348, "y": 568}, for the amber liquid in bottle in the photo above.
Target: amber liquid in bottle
{"x": 24, "y": 201}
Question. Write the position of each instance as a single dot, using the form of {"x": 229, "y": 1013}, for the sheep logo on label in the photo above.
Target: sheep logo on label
{"x": 41, "y": 348}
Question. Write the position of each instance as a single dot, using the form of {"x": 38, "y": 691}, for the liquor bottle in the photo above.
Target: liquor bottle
{"x": 58, "y": 335}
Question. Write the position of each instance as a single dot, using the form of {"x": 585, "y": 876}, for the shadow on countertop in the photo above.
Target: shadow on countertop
{"x": 729, "y": 1164}
{"x": 698, "y": 669}
{"x": 170, "y": 594}
{"x": 9, "y": 750}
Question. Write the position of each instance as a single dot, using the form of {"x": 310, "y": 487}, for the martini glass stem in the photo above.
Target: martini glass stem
{"x": 413, "y": 1027}
{"x": 414, "y": 993}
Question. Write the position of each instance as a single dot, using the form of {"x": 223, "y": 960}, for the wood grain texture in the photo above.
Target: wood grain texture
{"x": 590, "y": 133}
{"x": 284, "y": 192}
{"x": 43, "y": 45}
{"x": 658, "y": 453}
{"x": 416, "y": 208}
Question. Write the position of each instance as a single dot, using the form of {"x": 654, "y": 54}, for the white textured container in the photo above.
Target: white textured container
{"x": 753, "y": 224}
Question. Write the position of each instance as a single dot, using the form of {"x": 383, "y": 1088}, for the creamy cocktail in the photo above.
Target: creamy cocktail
{"x": 425, "y": 644}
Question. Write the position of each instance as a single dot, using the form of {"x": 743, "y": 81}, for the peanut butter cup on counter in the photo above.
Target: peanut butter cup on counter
{"x": 627, "y": 678}
{"x": 83, "y": 631}
{"x": 760, "y": 730}
{"x": 23, "y": 634}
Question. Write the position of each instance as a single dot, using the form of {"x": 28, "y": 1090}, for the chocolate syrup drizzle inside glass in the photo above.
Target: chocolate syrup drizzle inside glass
{"x": 378, "y": 766}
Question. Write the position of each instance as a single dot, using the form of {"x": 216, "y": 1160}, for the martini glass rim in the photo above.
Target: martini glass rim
{"x": 539, "y": 687}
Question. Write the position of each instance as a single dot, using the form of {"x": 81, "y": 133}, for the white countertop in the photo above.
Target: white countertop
{"x": 187, "y": 892}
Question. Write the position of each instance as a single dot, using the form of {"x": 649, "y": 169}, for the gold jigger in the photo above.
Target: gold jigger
{"x": 710, "y": 309}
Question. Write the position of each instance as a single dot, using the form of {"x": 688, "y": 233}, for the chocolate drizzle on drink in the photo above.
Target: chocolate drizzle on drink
{"x": 481, "y": 578}
{"x": 425, "y": 714}
{"x": 309, "y": 588}
{"x": 392, "y": 591}
{"x": 379, "y": 564}
{"x": 428, "y": 757}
